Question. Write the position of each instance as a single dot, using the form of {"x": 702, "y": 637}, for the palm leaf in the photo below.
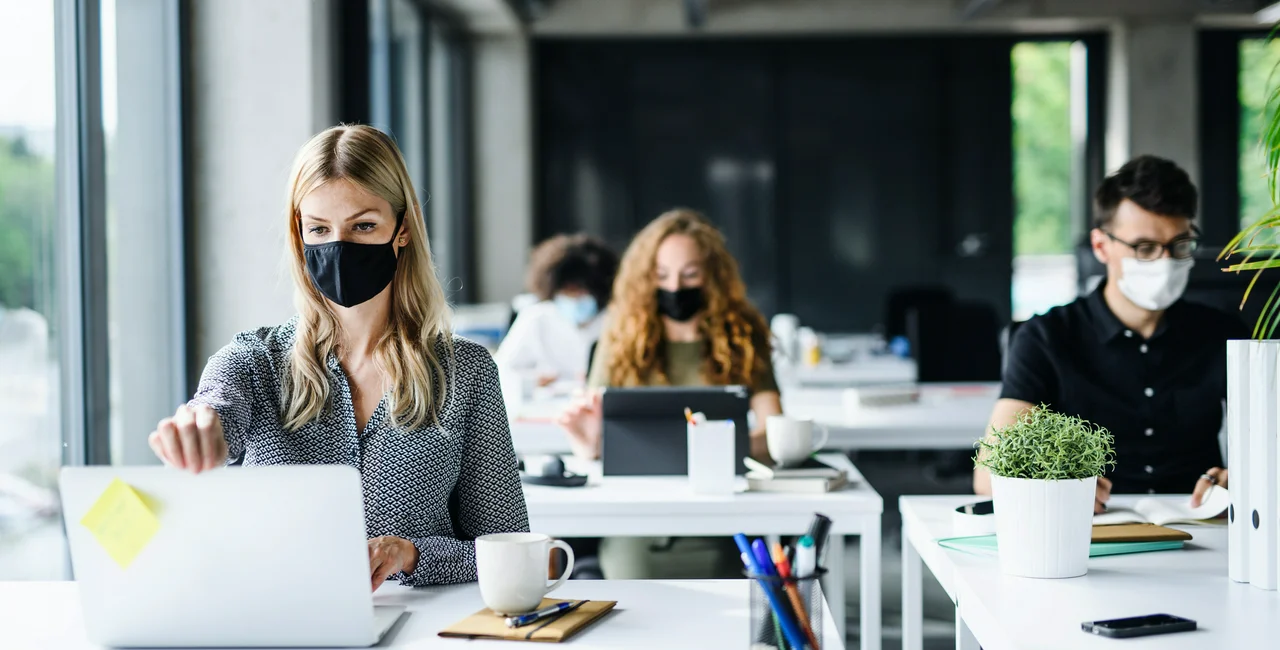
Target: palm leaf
{"x": 1246, "y": 241}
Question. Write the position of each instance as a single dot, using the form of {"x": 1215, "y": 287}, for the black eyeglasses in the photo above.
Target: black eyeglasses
{"x": 1181, "y": 248}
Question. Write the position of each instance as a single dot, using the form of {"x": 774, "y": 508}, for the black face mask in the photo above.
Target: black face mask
{"x": 680, "y": 306}
{"x": 349, "y": 273}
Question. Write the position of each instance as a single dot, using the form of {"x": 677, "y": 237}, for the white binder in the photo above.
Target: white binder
{"x": 1237, "y": 457}
{"x": 1264, "y": 391}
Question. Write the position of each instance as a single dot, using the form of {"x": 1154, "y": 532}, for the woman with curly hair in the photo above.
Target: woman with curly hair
{"x": 572, "y": 276}
{"x": 680, "y": 317}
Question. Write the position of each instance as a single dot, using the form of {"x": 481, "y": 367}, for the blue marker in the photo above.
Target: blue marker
{"x": 756, "y": 567}
{"x": 533, "y": 617}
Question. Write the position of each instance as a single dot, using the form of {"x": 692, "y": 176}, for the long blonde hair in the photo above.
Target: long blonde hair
{"x": 419, "y": 318}
{"x": 735, "y": 337}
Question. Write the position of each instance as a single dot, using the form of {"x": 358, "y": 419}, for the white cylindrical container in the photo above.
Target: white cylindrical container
{"x": 1260, "y": 470}
{"x": 1043, "y": 528}
{"x": 1239, "y": 516}
{"x": 711, "y": 457}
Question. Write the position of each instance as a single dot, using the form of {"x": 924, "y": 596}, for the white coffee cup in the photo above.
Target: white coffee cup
{"x": 512, "y": 568}
{"x": 790, "y": 440}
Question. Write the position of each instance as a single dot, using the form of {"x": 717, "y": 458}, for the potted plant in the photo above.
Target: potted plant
{"x": 1253, "y": 370}
{"x": 1044, "y": 473}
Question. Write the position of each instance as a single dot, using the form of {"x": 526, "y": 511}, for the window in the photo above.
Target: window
{"x": 31, "y": 541}
{"x": 90, "y": 188}
{"x": 418, "y": 88}
{"x": 1258, "y": 65}
{"x": 146, "y": 345}
{"x": 1048, "y": 134}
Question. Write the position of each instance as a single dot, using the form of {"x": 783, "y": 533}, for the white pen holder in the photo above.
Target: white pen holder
{"x": 711, "y": 457}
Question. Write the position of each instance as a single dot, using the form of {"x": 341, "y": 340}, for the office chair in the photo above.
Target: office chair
{"x": 901, "y": 301}
{"x": 955, "y": 342}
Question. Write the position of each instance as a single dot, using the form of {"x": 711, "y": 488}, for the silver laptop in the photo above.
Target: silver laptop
{"x": 242, "y": 557}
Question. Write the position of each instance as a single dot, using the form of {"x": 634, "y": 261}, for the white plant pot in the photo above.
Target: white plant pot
{"x": 1043, "y": 528}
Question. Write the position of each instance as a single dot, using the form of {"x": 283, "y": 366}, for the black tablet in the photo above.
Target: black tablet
{"x": 645, "y": 432}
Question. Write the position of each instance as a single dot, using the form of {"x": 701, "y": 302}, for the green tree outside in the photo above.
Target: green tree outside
{"x": 26, "y": 205}
{"x": 1258, "y": 74}
{"x": 1042, "y": 148}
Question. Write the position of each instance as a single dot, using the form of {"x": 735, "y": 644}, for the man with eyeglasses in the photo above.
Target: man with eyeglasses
{"x": 1133, "y": 356}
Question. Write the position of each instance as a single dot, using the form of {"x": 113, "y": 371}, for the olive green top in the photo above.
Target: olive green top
{"x": 682, "y": 365}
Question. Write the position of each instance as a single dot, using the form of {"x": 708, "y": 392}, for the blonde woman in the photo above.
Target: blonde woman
{"x": 368, "y": 373}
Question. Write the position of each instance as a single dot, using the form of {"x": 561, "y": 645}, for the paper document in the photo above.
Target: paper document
{"x": 1163, "y": 512}
{"x": 122, "y": 522}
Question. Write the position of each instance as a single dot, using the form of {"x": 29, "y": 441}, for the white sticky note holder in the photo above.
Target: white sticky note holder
{"x": 712, "y": 457}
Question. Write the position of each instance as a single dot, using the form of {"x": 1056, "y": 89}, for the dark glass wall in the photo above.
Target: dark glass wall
{"x": 839, "y": 170}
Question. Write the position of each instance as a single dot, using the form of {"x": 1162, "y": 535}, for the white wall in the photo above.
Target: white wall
{"x": 503, "y": 162}
{"x": 257, "y": 93}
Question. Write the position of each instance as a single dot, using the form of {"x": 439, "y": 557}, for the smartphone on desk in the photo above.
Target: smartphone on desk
{"x": 1124, "y": 628}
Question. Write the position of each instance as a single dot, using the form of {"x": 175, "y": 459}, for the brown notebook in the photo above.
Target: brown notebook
{"x": 1138, "y": 533}
{"x": 484, "y": 624}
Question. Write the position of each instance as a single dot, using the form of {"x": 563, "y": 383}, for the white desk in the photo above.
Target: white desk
{"x": 946, "y": 417}
{"x": 649, "y": 614}
{"x": 1004, "y": 612}
{"x": 877, "y": 370}
{"x": 664, "y": 506}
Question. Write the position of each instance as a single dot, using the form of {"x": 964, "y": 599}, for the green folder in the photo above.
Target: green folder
{"x": 986, "y": 545}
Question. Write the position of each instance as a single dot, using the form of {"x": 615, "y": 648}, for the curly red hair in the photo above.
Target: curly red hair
{"x": 735, "y": 336}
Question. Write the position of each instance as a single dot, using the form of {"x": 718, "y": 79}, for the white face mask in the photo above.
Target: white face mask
{"x": 1156, "y": 284}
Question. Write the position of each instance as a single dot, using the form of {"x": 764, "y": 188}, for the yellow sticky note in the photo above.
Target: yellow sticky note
{"x": 122, "y": 522}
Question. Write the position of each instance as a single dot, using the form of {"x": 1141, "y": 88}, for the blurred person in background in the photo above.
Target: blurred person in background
{"x": 550, "y": 340}
{"x": 680, "y": 317}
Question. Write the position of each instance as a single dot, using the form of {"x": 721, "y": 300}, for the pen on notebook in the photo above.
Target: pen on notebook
{"x": 533, "y": 617}
{"x": 752, "y": 554}
{"x": 802, "y": 612}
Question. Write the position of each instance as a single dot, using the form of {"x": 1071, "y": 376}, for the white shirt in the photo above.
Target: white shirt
{"x": 543, "y": 342}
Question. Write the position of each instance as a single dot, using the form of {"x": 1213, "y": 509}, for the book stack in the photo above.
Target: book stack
{"x": 812, "y": 476}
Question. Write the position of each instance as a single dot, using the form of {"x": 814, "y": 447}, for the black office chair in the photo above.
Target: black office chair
{"x": 1006, "y": 339}
{"x": 901, "y": 301}
{"x": 955, "y": 342}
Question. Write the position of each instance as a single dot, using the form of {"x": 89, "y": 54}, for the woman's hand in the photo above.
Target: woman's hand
{"x": 1202, "y": 486}
{"x": 388, "y": 555}
{"x": 582, "y": 420}
{"x": 192, "y": 439}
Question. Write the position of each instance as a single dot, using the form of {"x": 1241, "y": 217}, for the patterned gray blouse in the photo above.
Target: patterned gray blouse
{"x": 440, "y": 487}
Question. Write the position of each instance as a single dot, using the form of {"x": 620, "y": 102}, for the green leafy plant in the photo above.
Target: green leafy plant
{"x": 1046, "y": 445}
{"x": 1259, "y": 243}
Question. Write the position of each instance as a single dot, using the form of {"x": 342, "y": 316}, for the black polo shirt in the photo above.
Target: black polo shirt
{"x": 1162, "y": 398}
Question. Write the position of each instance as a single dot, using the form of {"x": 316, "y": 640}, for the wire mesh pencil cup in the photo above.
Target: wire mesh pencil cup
{"x": 767, "y": 629}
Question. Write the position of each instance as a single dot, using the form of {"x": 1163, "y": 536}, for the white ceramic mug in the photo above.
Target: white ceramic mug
{"x": 512, "y": 568}
{"x": 790, "y": 440}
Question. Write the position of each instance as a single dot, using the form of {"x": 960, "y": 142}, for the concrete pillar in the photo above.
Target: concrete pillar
{"x": 1152, "y": 94}
{"x": 503, "y": 162}
{"x": 259, "y": 88}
